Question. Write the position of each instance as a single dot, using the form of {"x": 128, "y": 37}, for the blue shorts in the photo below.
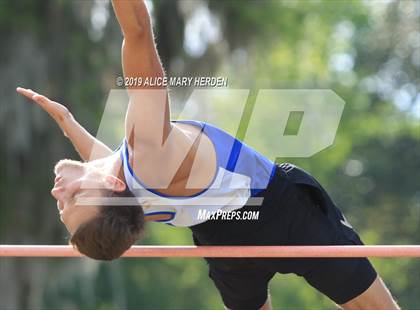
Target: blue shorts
{"x": 296, "y": 211}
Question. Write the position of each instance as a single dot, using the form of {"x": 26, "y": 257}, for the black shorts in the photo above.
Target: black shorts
{"x": 296, "y": 211}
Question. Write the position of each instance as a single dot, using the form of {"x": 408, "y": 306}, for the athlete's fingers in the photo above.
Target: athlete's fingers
{"x": 23, "y": 91}
{"x": 39, "y": 99}
{"x": 50, "y": 105}
{"x": 42, "y": 100}
{"x": 56, "y": 110}
{"x": 29, "y": 93}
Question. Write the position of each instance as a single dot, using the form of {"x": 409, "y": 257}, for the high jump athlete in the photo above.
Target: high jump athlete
{"x": 174, "y": 169}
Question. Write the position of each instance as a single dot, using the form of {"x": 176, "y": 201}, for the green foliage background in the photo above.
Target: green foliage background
{"x": 368, "y": 52}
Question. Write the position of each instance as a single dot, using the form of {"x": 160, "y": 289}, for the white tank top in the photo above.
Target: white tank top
{"x": 241, "y": 173}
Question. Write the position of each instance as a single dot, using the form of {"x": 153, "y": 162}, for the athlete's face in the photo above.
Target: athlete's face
{"x": 76, "y": 180}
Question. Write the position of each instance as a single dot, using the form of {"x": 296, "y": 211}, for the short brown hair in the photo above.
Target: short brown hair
{"x": 109, "y": 234}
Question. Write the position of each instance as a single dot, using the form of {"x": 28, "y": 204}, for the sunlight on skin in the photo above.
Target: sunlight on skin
{"x": 266, "y": 306}
{"x": 377, "y": 296}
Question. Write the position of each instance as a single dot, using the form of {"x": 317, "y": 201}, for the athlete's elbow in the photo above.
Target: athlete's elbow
{"x": 135, "y": 33}
{"x": 141, "y": 27}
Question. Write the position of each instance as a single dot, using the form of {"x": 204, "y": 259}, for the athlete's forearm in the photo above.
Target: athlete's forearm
{"x": 88, "y": 147}
{"x": 139, "y": 55}
{"x": 133, "y": 17}
{"x": 85, "y": 144}
{"x": 148, "y": 113}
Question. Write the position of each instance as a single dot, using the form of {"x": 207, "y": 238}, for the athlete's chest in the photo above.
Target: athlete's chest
{"x": 185, "y": 170}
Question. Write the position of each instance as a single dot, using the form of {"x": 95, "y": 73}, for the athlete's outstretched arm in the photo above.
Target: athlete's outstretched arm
{"x": 81, "y": 139}
{"x": 148, "y": 111}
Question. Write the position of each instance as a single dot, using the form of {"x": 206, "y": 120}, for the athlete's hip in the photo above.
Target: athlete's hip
{"x": 242, "y": 230}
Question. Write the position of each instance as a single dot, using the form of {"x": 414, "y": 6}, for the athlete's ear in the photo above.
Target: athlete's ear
{"x": 115, "y": 184}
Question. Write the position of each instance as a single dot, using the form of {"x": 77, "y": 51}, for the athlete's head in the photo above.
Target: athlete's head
{"x": 97, "y": 229}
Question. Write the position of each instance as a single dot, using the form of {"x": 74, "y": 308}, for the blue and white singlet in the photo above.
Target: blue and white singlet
{"x": 241, "y": 173}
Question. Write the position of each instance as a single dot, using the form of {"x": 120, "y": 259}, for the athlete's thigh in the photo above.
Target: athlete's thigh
{"x": 240, "y": 288}
{"x": 319, "y": 222}
{"x": 377, "y": 296}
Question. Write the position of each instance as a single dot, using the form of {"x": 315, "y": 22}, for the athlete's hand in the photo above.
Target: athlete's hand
{"x": 56, "y": 110}
{"x": 81, "y": 139}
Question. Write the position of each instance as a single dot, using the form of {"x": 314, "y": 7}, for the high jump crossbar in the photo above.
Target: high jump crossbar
{"x": 224, "y": 251}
